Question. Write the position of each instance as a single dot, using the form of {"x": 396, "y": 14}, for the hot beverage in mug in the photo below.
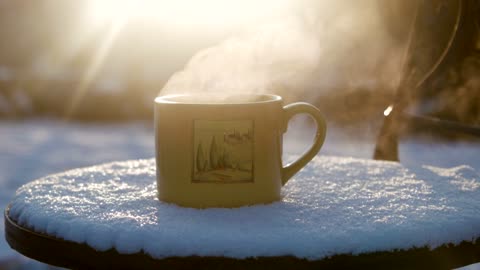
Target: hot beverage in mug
{"x": 226, "y": 150}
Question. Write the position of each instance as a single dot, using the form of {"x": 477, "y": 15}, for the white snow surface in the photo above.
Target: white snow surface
{"x": 35, "y": 148}
{"x": 335, "y": 205}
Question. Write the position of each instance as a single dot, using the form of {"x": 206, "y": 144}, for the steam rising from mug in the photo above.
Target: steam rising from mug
{"x": 321, "y": 45}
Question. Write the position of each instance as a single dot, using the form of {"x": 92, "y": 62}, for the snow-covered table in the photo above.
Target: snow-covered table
{"x": 336, "y": 212}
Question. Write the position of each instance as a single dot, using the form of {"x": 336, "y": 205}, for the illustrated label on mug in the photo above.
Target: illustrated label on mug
{"x": 225, "y": 150}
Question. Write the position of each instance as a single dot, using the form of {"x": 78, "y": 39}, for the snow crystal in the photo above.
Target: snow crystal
{"x": 333, "y": 206}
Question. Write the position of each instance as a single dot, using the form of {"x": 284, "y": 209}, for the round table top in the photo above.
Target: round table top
{"x": 335, "y": 211}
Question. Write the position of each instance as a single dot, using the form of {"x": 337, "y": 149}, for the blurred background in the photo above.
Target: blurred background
{"x": 78, "y": 78}
{"x": 106, "y": 60}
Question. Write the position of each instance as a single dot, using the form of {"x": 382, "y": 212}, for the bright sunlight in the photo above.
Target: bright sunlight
{"x": 213, "y": 13}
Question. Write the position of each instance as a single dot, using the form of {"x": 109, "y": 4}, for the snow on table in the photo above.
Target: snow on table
{"x": 333, "y": 206}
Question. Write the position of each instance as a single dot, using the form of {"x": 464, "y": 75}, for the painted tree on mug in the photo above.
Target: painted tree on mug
{"x": 202, "y": 163}
{"x": 214, "y": 156}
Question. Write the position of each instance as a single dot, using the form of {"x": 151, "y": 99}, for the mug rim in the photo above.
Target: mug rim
{"x": 170, "y": 98}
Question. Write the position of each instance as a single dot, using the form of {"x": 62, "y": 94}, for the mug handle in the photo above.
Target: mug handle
{"x": 297, "y": 108}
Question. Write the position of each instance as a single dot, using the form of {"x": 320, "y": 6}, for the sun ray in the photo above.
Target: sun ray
{"x": 95, "y": 65}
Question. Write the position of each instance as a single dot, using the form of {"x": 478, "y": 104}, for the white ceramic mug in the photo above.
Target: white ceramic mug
{"x": 226, "y": 150}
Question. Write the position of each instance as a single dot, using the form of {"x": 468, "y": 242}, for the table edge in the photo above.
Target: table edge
{"x": 69, "y": 254}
